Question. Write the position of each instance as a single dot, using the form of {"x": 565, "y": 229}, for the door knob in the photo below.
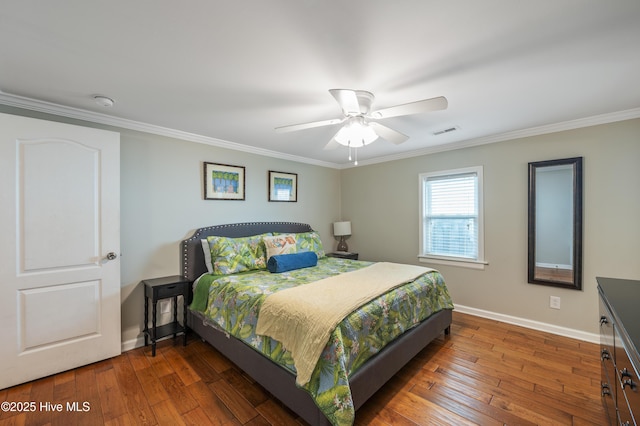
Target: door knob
{"x": 111, "y": 255}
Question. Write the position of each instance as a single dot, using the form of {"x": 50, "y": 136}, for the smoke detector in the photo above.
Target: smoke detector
{"x": 103, "y": 101}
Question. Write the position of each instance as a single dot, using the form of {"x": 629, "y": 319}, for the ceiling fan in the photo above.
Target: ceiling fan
{"x": 361, "y": 126}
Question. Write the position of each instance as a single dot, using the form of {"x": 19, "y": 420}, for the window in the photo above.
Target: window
{"x": 451, "y": 225}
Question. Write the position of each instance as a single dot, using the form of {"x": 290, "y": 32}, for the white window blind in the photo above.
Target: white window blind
{"x": 451, "y": 214}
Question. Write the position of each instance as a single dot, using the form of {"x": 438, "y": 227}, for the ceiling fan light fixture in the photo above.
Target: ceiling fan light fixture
{"x": 356, "y": 133}
{"x": 360, "y": 122}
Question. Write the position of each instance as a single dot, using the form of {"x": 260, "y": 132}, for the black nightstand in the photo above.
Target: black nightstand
{"x": 344, "y": 255}
{"x": 164, "y": 288}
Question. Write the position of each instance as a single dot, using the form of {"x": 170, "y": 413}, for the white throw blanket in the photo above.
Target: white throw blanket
{"x": 303, "y": 317}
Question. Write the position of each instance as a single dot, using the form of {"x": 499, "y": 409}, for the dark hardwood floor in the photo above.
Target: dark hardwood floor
{"x": 485, "y": 373}
{"x": 554, "y": 274}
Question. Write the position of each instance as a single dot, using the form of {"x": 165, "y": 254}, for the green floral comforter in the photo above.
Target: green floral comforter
{"x": 232, "y": 303}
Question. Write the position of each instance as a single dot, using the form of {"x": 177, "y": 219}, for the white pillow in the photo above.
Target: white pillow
{"x": 280, "y": 244}
{"x": 207, "y": 255}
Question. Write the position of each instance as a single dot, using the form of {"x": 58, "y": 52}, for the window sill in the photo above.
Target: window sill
{"x": 449, "y": 261}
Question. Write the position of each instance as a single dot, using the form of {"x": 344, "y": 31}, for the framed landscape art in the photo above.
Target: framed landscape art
{"x": 223, "y": 182}
{"x": 283, "y": 186}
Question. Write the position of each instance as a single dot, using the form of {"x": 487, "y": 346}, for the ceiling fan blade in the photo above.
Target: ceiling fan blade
{"x": 333, "y": 143}
{"x": 303, "y": 126}
{"x": 426, "y": 105}
{"x": 348, "y": 100}
{"x": 391, "y": 135}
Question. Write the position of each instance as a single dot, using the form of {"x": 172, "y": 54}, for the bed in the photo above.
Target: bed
{"x": 363, "y": 380}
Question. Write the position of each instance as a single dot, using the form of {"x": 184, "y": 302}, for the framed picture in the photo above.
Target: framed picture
{"x": 283, "y": 186}
{"x": 223, "y": 182}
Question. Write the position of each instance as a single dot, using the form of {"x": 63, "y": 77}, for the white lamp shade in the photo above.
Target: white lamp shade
{"x": 356, "y": 133}
{"x": 341, "y": 228}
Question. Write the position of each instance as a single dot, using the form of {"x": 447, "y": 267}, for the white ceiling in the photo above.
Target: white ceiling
{"x": 232, "y": 71}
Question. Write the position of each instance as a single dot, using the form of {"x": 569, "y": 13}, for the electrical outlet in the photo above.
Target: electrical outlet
{"x": 165, "y": 306}
{"x": 554, "y": 302}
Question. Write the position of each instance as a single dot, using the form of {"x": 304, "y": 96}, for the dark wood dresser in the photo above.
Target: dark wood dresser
{"x": 619, "y": 345}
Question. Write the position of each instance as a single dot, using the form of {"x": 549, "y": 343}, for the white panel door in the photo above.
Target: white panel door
{"x": 60, "y": 245}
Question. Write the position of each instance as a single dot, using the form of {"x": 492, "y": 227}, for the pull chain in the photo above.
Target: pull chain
{"x": 355, "y": 152}
{"x": 355, "y": 163}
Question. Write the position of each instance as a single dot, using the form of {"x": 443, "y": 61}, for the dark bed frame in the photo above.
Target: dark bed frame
{"x": 276, "y": 379}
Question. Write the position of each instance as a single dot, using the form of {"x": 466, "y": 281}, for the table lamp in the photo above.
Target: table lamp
{"x": 342, "y": 229}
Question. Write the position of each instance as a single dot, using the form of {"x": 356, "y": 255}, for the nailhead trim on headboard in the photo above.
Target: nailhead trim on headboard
{"x": 193, "y": 258}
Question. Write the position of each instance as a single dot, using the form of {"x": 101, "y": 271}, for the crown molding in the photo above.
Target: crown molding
{"x": 96, "y": 117}
{"x": 613, "y": 117}
{"x": 109, "y": 120}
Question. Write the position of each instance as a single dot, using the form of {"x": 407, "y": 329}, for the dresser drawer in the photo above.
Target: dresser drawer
{"x": 609, "y": 388}
{"x": 619, "y": 319}
{"x": 165, "y": 291}
{"x": 625, "y": 416}
{"x": 606, "y": 333}
{"x": 628, "y": 384}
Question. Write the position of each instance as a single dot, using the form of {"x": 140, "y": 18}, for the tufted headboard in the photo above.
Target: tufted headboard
{"x": 192, "y": 258}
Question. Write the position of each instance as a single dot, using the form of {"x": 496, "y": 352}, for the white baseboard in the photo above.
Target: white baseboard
{"x": 535, "y": 325}
{"x": 132, "y": 344}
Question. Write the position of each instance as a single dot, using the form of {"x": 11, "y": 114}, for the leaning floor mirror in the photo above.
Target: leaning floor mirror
{"x": 555, "y": 223}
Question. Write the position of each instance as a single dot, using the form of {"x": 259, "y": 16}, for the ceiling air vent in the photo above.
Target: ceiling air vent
{"x": 443, "y": 131}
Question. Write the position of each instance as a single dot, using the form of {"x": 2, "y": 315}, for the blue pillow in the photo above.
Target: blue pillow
{"x": 288, "y": 262}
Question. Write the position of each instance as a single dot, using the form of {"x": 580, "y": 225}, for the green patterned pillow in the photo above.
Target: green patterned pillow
{"x": 233, "y": 255}
{"x": 310, "y": 241}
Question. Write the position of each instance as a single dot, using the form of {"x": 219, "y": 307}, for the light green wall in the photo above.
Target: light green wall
{"x": 381, "y": 201}
{"x": 162, "y": 203}
{"x": 161, "y": 190}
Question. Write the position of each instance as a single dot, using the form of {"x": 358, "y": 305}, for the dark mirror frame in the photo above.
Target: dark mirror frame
{"x": 576, "y": 162}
